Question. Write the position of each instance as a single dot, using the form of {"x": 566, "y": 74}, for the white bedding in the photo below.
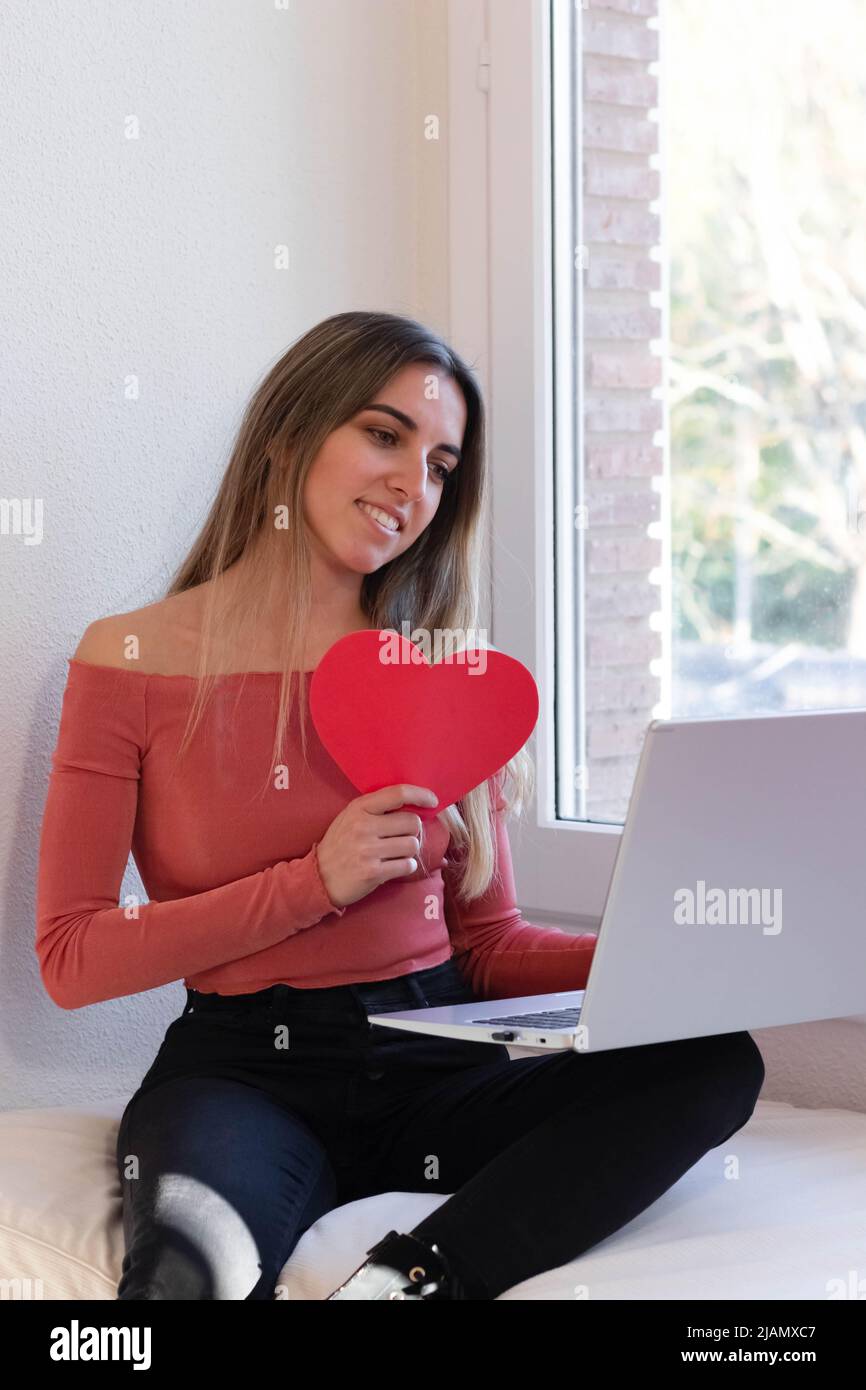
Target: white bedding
{"x": 792, "y": 1224}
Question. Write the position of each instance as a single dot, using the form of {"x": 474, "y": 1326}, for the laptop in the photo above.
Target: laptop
{"x": 737, "y": 898}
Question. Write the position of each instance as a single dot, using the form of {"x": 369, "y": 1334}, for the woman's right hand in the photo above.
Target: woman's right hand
{"x": 371, "y": 841}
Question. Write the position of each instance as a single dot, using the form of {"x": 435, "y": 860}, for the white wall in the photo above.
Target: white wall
{"x": 153, "y": 258}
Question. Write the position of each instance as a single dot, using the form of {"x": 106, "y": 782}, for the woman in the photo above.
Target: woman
{"x": 355, "y": 497}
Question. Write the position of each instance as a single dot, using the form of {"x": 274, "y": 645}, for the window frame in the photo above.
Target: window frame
{"x": 501, "y": 284}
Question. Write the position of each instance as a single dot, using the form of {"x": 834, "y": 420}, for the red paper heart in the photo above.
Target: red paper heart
{"x": 447, "y": 726}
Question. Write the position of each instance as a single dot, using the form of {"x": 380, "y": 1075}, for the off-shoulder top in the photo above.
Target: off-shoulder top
{"x": 235, "y": 900}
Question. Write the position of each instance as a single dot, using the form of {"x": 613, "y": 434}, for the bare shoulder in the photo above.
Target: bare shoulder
{"x": 153, "y": 639}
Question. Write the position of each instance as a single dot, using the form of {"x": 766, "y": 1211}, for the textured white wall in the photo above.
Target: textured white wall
{"x": 153, "y": 258}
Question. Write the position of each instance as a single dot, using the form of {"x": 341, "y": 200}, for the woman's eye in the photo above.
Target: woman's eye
{"x": 444, "y": 470}
{"x": 389, "y": 433}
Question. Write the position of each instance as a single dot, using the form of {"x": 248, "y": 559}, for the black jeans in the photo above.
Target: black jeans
{"x": 263, "y": 1111}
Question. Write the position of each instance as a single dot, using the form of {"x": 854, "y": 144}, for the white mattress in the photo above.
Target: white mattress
{"x": 790, "y": 1224}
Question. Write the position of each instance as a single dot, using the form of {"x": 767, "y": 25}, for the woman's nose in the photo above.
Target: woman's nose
{"x": 413, "y": 478}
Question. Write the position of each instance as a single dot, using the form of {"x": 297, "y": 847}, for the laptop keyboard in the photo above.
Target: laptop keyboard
{"x": 563, "y": 1018}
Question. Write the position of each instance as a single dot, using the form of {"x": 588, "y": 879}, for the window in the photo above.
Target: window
{"x": 767, "y": 337}
{"x": 673, "y": 316}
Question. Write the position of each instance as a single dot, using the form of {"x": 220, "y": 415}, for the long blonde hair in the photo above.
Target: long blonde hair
{"x": 319, "y": 383}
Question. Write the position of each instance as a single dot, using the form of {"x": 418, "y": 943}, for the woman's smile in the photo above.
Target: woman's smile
{"x": 376, "y": 517}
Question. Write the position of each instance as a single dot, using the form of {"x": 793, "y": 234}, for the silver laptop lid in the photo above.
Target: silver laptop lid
{"x": 738, "y": 896}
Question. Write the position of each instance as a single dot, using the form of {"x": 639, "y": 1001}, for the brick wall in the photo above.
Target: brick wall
{"x": 622, "y": 406}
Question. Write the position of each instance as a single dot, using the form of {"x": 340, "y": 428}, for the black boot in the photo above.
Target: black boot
{"x": 402, "y": 1266}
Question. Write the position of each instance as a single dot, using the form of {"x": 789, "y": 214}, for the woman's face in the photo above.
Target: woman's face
{"x": 400, "y": 465}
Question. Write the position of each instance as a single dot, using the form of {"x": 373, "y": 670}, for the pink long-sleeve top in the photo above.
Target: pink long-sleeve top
{"x": 236, "y": 902}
